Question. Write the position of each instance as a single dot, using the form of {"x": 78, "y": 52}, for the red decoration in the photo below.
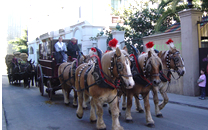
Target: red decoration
{"x": 107, "y": 51}
{"x": 149, "y": 44}
{"x": 113, "y": 42}
{"x": 143, "y": 52}
{"x": 169, "y": 41}
{"x": 93, "y": 49}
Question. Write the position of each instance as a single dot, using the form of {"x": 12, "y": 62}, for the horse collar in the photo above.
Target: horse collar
{"x": 111, "y": 67}
{"x": 168, "y": 57}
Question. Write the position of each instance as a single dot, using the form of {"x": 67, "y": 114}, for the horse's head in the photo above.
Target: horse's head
{"x": 116, "y": 65}
{"x": 83, "y": 59}
{"x": 175, "y": 61}
{"x": 30, "y": 67}
{"x": 151, "y": 65}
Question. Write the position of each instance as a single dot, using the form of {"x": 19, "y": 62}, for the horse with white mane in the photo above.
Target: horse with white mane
{"x": 99, "y": 80}
{"x": 172, "y": 62}
{"x": 145, "y": 69}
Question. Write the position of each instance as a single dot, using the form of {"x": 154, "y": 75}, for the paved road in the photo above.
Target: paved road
{"x": 26, "y": 109}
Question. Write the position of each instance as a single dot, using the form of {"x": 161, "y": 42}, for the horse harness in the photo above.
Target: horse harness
{"x": 139, "y": 75}
{"x": 170, "y": 56}
{"x": 71, "y": 70}
{"x": 102, "y": 79}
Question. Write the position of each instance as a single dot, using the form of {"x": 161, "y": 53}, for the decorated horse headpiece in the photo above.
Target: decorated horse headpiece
{"x": 116, "y": 59}
{"x": 174, "y": 55}
{"x": 147, "y": 67}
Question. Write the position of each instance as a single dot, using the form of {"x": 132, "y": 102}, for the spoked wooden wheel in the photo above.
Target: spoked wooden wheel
{"x": 40, "y": 79}
{"x": 49, "y": 89}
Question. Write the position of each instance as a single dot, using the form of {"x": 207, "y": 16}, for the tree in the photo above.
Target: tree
{"x": 138, "y": 22}
{"x": 205, "y": 5}
{"x": 20, "y": 44}
{"x": 171, "y": 13}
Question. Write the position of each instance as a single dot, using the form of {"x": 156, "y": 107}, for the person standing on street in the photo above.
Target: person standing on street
{"x": 73, "y": 48}
{"x": 202, "y": 83}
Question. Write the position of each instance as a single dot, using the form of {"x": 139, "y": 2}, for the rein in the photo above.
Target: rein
{"x": 139, "y": 70}
{"x": 168, "y": 59}
{"x": 102, "y": 73}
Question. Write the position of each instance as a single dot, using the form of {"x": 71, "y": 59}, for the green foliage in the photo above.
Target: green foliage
{"x": 173, "y": 7}
{"x": 110, "y": 37}
{"x": 20, "y": 44}
{"x": 141, "y": 22}
{"x": 204, "y": 5}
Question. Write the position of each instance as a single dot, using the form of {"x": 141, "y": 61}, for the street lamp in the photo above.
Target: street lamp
{"x": 190, "y": 3}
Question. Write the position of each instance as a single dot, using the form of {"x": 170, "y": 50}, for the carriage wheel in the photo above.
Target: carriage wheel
{"x": 10, "y": 79}
{"x": 50, "y": 89}
{"x": 40, "y": 79}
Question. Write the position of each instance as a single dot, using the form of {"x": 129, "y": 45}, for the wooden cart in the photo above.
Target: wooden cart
{"x": 47, "y": 68}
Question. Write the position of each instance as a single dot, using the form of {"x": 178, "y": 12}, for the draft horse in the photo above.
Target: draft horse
{"x": 66, "y": 73}
{"x": 172, "y": 62}
{"x": 99, "y": 80}
{"x": 145, "y": 69}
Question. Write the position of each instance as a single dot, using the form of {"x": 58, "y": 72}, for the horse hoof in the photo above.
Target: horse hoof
{"x": 104, "y": 105}
{"x": 159, "y": 115}
{"x": 74, "y": 105}
{"x": 151, "y": 125}
{"x": 93, "y": 121}
{"x": 67, "y": 104}
{"x": 109, "y": 112}
{"x": 141, "y": 111}
{"x": 123, "y": 108}
{"x": 85, "y": 108}
{"x": 119, "y": 113}
{"x": 129, "y": 121}
{"x": 80, "y": 117}
{"x": 102, "y": 129}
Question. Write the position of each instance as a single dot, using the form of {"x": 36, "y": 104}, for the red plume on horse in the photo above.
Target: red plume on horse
{"x": 113, "y": 43}
{"x": 170, "y": 43}
{"x": 149, "y": 46}
{"x": 92, "y": 51}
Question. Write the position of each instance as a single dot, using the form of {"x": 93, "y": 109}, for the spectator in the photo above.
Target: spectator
{"x": 202, "y": 83}
{"x": 60, "y": 49}
{"x": 73, "y": 48}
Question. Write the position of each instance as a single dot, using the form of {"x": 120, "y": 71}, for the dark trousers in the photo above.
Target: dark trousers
{"x": 202, "y": 91}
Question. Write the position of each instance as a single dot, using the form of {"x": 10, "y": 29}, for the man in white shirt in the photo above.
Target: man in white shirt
{"x": 60, "y": 49}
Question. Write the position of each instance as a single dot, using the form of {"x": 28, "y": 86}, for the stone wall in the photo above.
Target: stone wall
{"x": 176, "y": 86}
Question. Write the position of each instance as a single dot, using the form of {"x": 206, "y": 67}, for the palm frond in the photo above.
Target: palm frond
{"x": 174, "y": 4}
{"x": 167, "y": 13}
{"x": 163, "y": 4}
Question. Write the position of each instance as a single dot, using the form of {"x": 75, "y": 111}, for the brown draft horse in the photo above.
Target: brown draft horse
{"x": 66, "y": 72}
{"x": 99, "y": 80}
{"x": 172, "y": 62}
{"x": 145, "y": 69}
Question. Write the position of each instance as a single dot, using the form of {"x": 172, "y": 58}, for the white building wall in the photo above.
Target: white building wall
{"x": 82, "y": 20}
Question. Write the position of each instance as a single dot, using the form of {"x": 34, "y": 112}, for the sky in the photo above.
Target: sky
{"x": 42, "y": 15}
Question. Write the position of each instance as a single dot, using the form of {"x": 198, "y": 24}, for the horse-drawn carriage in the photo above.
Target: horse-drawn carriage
{"x": 47, "y": 68}
{"x": 18, "y": 68}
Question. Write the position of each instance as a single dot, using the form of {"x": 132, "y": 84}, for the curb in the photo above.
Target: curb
{"x": 185, "y": 104}
{"x": 4, "y": 121}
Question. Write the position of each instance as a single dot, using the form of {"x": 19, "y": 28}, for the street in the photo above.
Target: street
{"x": 26, "y": 109}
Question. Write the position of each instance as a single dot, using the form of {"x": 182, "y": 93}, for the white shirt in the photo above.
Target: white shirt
{"x": 60, "y": 46}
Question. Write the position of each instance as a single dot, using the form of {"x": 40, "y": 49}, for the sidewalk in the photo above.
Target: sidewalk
{"x": 185, "y": 100}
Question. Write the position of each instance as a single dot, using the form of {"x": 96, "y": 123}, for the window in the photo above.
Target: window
{"x": 31, "y": 50}
{"x": 80, "y": 12}
{"x": 115, "y": 4}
